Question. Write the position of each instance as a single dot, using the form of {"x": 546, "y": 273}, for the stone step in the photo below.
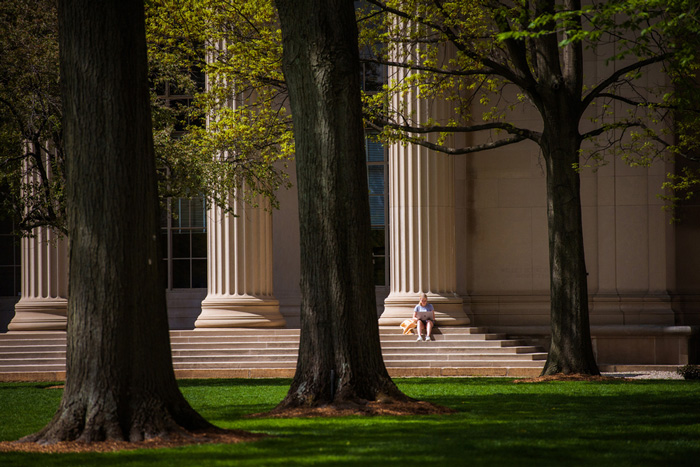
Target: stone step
{"x": 428, "y": 348}
{"x": 446, "y": 337}
{"x": 20, "y": 347}
{"x": 268, "y": 342}
{"x": 270, "y": 352}
{"x": 40, "y": 335}
{"x": 441, "y": 346}
{"x": 494, "y": 344}
{"x": 221, "y": 339}
{"x": 390, "y": 338}
{"x": 461, "y": 356}
{"x": 202, "y": 332}
{"x": 232, "y": 365}
{"x": 207, "y": 354}
{"x": 455, "y": 342}
{"x": 462, "y": 350}
{"x": 4, "y": 356}
{"x": 394, "y": 351}
{"x": 396, "y": 330}
{"x": 31, "y": 338}
{"x": 388, "y": 330}
{"x": 466, "y": 363}
{"x": 234, "y": 358}
{"x": 252, "y": 357}
{"x": 30, "y": 368}
{"x": 31, "y": 348}
{"x": 8, "y": 362}
{"x": 7, "y": 372}
{"x": 235, "y": 345}
{"x": 29, "y": 342}
{"x": 389, "y": 364}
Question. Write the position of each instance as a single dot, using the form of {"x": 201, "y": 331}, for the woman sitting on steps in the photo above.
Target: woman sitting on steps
{"x": 425, "y": 314}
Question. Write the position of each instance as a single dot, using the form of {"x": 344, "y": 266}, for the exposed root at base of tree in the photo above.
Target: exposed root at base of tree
{"x": 368, "y": 408}
{"x": 218, "y": 436}
{"x": 563, "y": 377}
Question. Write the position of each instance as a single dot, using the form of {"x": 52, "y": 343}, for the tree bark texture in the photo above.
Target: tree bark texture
{"x": 120, "y": 383}
{"x": 556, "y": 87}
{"x": 571, "y": 350}
{"x": 340, "y": 355}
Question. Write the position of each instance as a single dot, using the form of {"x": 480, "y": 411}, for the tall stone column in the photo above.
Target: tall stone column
{"x": 422, "y": 217}
{"x": 239, "y": 248}
{"x": 44, "y": 302}
{"x": 422, "y": 236}
{"x": 44, "y": 259}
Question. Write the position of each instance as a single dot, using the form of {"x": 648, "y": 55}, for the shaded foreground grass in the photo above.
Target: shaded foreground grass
{"x": 633, "y": 422}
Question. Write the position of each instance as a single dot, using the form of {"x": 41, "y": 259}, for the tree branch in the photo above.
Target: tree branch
{"x": 598, "y": 90}
{"x": 475, "y": 72}
{"x": 499, "y": 69}
{"x": 507, "y": 127}
{"x": 614, "y": 126}
{"x": 517, "y": 51}
{"x": 467, "y": 150}
{"x": 573, "y": 55}
{"x": 626, "y": 100}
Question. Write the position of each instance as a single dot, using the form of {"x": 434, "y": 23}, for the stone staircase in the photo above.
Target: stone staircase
{"x": 260, "y": 353}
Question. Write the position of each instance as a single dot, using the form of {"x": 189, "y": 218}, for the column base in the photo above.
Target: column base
{"x": 449, "y": 309}
{"x": 40, "y": 315}
{"x": 240, "y": 312}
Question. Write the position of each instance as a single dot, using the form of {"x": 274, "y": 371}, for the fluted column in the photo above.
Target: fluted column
{"x": 44, "y": 300}
{"x": 422, "y": 218}
{"x": 422, "y": 237}
{"x": 240, "y": 291}
{"x": 44, "y": 258}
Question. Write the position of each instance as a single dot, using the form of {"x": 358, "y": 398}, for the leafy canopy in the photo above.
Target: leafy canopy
{"x": 492, "y": 60}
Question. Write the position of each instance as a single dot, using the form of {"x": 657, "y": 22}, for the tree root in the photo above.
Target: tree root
{"x": 186, "y": 438}
{"x": 80, "y": 424}
{"x": 343, "y": 408}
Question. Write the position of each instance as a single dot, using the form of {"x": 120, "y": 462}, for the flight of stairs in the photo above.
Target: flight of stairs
{"x": 260, "y": 353}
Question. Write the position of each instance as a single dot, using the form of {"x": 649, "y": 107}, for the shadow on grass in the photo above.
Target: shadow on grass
{"x": 498, "y": 423}
{"x": 247, "y": 383}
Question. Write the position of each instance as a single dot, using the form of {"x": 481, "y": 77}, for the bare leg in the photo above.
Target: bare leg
{"x": 420, "y": 328}
{"x": 429, "y": 332}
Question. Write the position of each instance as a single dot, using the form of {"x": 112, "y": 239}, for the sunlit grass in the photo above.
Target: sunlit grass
{"x": 497, "y": 423}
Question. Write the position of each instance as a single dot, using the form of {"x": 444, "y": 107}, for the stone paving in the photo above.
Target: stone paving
{"x": 646, "y": 375}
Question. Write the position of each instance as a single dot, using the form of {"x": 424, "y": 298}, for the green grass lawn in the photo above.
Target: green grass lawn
{"x": 499, "y": 423}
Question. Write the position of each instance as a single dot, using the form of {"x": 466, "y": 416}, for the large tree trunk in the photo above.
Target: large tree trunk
{"x": 340, "y": 355}
{"x": 120, "y": 383}
{"x": 571, "y": 350}
{"x": 557, "y": 94}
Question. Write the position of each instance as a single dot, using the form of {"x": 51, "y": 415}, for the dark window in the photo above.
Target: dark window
{"x": 377, "y": 178}
{"x": 10, "y": 260}
{"x": 184, "y": 243}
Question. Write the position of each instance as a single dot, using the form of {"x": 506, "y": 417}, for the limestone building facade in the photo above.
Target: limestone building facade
{"x": 470, "y": 231}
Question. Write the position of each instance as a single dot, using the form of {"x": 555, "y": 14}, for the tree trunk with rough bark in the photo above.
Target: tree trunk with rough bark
{"x": 340, "y": 356}
{"x": 570, "y": 350}
{"x": 120, "y": 383}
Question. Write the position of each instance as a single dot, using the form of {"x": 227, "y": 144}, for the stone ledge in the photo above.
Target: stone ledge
{"x": 259, "y": 373}
{"x": 614, "y": 368}
{"x": 33, "y": 376}
{"x": 637, "y": 344}
{"x": 606, "y": 330}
